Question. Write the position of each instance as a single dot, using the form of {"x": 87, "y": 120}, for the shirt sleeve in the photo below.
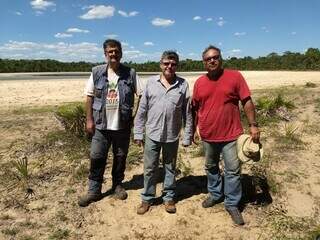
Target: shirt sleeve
{"x": 243, "y": 89}
{"x": 89, "y": 88}
{"x": 139, "y": 87}
{"x": 140, "y": 118}
{"x": 187, "y": 118}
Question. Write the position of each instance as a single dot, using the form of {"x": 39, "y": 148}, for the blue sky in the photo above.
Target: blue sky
{"x": 68, "y": 30}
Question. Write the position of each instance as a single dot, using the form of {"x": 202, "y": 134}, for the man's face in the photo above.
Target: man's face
{"x": 113, "y": 55}
{"x": 168, "y": 67}
{"x": 212, "y": 61}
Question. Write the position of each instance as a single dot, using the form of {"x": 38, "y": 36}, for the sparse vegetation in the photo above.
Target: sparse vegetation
{"x": 72, "y": 117}
{"x": 310, "y": 85}
{"x": 60, "y": 234}
{"x": 57, "y": 168}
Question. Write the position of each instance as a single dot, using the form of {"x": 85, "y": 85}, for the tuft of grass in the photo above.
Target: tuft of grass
{"x": 197, "y": 151}
{"x": 72, "y": 117}
{"x": 81, "y": 172}
{"x": 291, "y": 139}
{"x": 310, "y": 85}
{"x": 60, "y": 234}
{"x": 271, "y": 109}
{"x": 183, "y": 166}
{"x": 10, "y": 231}
{"x": 135, "y": 154}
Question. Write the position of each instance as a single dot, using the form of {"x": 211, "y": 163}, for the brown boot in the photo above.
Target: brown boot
{"x": 143, "y": 208}
{"x": 85, "y": 200}
{"x": 170, "y": 206}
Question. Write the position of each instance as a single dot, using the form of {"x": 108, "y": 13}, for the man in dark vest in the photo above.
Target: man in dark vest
{"x": 110, "y": 94}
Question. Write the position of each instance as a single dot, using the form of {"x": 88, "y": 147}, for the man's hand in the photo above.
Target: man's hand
{"x": 196, "y": 137}
{"x": 139, "y": 142}
{"x": 255, "y": 134}
{"x": 90, "y": 127}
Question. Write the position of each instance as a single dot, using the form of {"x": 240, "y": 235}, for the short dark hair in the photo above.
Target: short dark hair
{"x": 170, "y": 54}
{"x": 112, "y": 43}
{"x": 210, "y": 47}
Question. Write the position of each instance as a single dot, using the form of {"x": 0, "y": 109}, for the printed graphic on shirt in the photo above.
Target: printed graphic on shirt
{"x": 112, "y": 98}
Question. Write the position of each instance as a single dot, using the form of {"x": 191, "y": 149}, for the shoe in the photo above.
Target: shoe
{"x": 210, "y": 202}
{"x": 236, "y": 216}
{"x": 143, "y": 208}
{"x": 89, "y": 198}
{"x": 120, "y": 193}
{"x": 170, "y": 206}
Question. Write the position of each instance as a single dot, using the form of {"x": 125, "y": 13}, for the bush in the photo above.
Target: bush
{"x": 73, "y": 118}
{"x": 272, "y": 109}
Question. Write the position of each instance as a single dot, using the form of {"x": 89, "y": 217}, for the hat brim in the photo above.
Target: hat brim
{"x": 243, "y": 158}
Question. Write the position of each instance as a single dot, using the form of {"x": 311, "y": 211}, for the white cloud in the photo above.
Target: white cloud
{"x": 63, "y": 35}
{"x": 77, "y": 30}
{"x": 238, "y": 34}
{"x": 221, "y": 22}
{"x": 148, "y": 43}
{"x": 209, "y": 19}
{"x": 196, "y": 18}
{"x": 179, "y": 42}
{"x": 236, "y": 50}
{"x": 220, "y": 43}
{"x": 265, "y": 29}
{"x": 130, "y": 14}
{"x": 62, "y": 51}
{"x": 18, "y": 13}
{"x": 293, "y": 33}
{"x": 124, "y": 44}
{"x": 98, "y": 12}
{"x": 41, "y": 4}
{"x": 111, "y": 35}
{"x": 160, "y": 22}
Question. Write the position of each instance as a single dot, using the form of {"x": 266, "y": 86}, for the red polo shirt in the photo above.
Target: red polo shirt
{"x": 217, "y": 105}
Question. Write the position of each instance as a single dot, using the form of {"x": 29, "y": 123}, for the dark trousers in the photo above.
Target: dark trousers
{"x": 101, "y": 142}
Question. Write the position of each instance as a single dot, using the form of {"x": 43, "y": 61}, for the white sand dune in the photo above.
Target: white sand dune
{"x": 31, "y": 90}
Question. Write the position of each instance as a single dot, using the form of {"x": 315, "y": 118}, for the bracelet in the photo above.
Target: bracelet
{"x": 254, "y": 124}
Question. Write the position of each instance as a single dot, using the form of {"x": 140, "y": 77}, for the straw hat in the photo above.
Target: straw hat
{"x": 248, "y": 151}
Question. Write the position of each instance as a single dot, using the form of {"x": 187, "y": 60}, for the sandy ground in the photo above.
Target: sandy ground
{"x": 54, "y": 207}
{"x": 30, "y": 92}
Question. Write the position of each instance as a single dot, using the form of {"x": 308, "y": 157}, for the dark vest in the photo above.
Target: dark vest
{"x": 126, "y": 86}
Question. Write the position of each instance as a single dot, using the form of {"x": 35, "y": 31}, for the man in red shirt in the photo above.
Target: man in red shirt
{"x": 215, "y": 104}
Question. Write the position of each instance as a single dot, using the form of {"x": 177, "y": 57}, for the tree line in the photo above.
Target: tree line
{"x": 310, "y": 60}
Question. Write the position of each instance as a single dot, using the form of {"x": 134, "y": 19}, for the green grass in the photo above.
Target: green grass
{"x": 60, "y": 234}
{"x": 73, "y": 117}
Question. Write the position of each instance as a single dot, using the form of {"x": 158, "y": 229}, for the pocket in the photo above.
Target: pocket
{"x": 176, "y": 99}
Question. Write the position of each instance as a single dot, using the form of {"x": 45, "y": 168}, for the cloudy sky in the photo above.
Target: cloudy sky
{"x": 68, "y": 30}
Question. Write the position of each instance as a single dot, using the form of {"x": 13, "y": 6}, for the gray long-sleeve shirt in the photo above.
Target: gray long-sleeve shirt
{"x": 162, "y": 112}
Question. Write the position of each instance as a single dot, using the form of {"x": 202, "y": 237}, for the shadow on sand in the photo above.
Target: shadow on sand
{"x": 255, "y": 189}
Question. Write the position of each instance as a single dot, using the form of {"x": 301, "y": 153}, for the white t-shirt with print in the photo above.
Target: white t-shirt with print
{"x": 112, "y": 98}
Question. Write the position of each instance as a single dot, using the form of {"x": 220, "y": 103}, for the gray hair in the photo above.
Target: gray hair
{"x": 210, "y": 47}
{"x": 170, "y": 54}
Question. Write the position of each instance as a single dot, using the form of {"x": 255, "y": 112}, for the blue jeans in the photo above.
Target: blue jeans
{"x": 101, "y": 142}
{"x": 151, "y": 163}
{"x": 232, "y": 185}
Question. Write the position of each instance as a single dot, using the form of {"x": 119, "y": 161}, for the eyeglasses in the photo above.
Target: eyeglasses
{"x": 212, "y": 58}
{"x": 115, "y": 51}
{"x": 173, "y": 64}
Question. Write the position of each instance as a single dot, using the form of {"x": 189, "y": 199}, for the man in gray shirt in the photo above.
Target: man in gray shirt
{"x": 164, "y": 107}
